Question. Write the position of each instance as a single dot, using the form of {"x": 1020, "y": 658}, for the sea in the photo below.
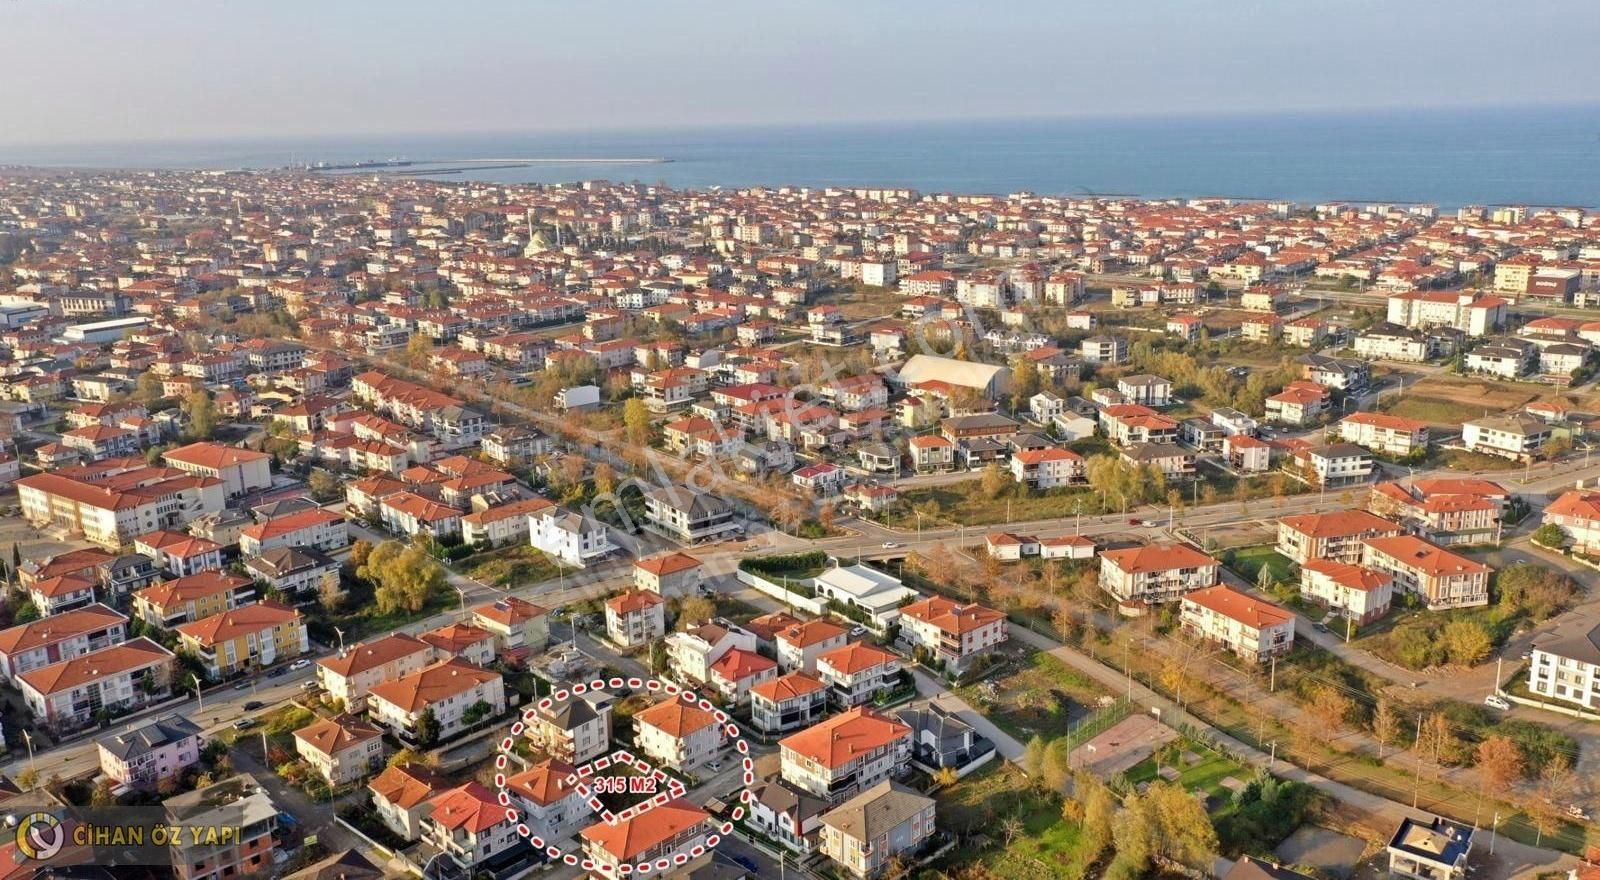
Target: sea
{"x": 1540, "y": 156}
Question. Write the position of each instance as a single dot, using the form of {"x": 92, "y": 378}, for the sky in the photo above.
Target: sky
{"x": 85, "y": 71}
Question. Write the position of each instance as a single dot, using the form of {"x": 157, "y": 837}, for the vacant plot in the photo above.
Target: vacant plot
{"x": 511, "y": 567}
{"x": 979, "y": 804}
{"x": 1041, "y": 696}
{"x": 1330, "y": 852}
{"x": 1450, "y": 400}
{"x": 964, "y": 502}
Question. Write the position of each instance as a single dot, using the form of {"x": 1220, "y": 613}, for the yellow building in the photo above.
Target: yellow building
{"x": 245, "y": 638}
{"x": 196, "y": 597}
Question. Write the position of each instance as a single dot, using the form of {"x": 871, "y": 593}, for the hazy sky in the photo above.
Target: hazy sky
{"x": 113, "y": 70}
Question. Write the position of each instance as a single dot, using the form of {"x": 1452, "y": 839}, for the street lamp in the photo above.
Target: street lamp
{"x": 33, "y": 765}
{"x": 197, "y": 695}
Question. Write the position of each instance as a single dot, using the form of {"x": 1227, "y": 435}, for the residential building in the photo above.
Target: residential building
{"x": 1250, "y": 628}
{"x": 179, "y": 554}
{"x": 866, "y": 832}
{"x": 671, "y": 829}
{"x": 787, "y": 815}
{"x": 293, "y": 571}
{"x": 1360, "y": 594}
{"x": 736, "y": 672}
{"x": 1444, "y": 512}
{"x": 240, "y": 470}
{"x": 115, "y": 679}
{"x": 315, "y": 528}
{"x": 940, "y": 739}
{"x": 846, "y": 754}
{"x": 858, "y": 673}
{"x": 1146, "y": 390}
{"x": 1155, "y": 573}
{"x": 677, "y": 734}
{"x": 474, "y": 645}
{"x": 1337, "y": 536}
{"x": 1517, "y": 436}
{"x": 350, "y": 675}
{"x": 668, "y": 574}
{"x": 519, "y": 627}
{"x": 401, "y": 798}
{"x": 458, "y": 694}
{"x": 1565, "y": 664}
{"x": 951, "y": 634}
{"x": 688, "y": 515}
{"x": 1337, "y": 464}
{"x": 575, "y": 730}
{"x": 791, "y": 701}
{"x": 572, "y": 538}
{"x": 635, "y": 618}
{"x": 157, "y": 750}
{"x": 28, "y": 646}
{"x": 238, "y": 802}
{"x": 342, "y": 749}
{"x": 551, "y": 807}
{"x": 109, "y": 507}
{"x": 1381, "y": 432}
{"x": 468, "y": 825}
{"x": 196, "y": 597}
{"x": 1436, "y": 850}
{"x": 1047, "y": 468}
{"x": 246, "y": 638}
{"x": 1442, "y": 579}
{"x": 691, "y": 652}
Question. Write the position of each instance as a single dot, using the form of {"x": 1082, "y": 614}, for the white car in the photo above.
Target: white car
{"x": 889, "y": 545}
{"x": 299, "y": 664}
{"x": 1495, "y": 701}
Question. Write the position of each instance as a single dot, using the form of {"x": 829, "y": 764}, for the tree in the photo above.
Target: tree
{"x": 202, "y": 413}
{"x": 1033, "y": 757}
{"x": 1499, "y": 762}
{"x": 695, "y": 610}
{"x": 1010, "y": 827}
{"x": 658, "y": 657}
{"x": 994, "y": 481}
{"x": 1437, "y": 741}
{"x": 359, "y": 551}
{"x": 28, "y": 779}
{"x": 1541, "y": 591}
{"x": 636, "y": 421}
{"x": 1466, "y": 641}
{"x": 147, "y": 388}
{"x": 404, "y": 576}
{"x": 427, "y": 729}
{"x": 1385, "y": 726}
{"x": 1558, "y": 784}
{"x": 945, "y": 777}
{"x": 330, "y": 592}
{"x": 1550, "y": 535}
{"x": 1056, "y": 771}
{"x": 408, "y": 756}
{"x": 1327, "y": 710}
{"x": 325, "y": 486}
{"x": 419, "y": 351}
{"x": 605, "y": 479}
{"x": 101, "y": 795}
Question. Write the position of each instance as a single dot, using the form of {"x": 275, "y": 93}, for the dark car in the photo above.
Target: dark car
{"x": 252, "y": 705}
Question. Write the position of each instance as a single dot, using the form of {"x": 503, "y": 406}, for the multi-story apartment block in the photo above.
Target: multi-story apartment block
{"x": 28, "y": 646}
{"x": 343, "y": 749}
{"x": 1360, "y": 594}
{"x": 1517, "y": 436}
{"x": 1440, "y": 578}
{"x": 240, "y": 470}
{"x": 951, "y": 633}
{"x": 1381, "y": 432}
{"x": 469, "y": 826}
{"x": 316, "y": 528}
{"x": 798, "y": 645}
{"x": 246, "y": 638}
{"x": 1577, "y": 512}
{"x": 677, "y": 734}
{"x": 865, "y": 833}
{"x": 67, "y": 695}
{"x": 575, "y": 730}
{"x": 664, "y": 832}
{"x": 858, "y": 673}
{"x": 188, "y": 599}
{"x": 1155, "y": 573}
{"x": 635, "y": 618}
{"x": 350, "y": 675}
{"x": 237, "y": 802}
{"x": 1047, "y": 467}
{"x": 1565, "y": 665}
{"x": 457, "y": 694}
{"x": 110, "y": 506}
{"x": 846, "y": 754}
{"x": 157, "y": 750}
{"x": 1336, "y": 536}
{"x": 789, "y": 702}
{"x": 1248, "y": 627}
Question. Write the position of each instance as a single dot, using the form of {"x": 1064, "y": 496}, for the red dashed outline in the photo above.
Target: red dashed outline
{"x": 674, "y": 788}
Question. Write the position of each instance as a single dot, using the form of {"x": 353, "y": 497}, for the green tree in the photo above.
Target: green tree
{"x": 994, "y": 481}
{"x": 1024, "y": 381}
{"x": 1033, "y": 757}
{"x": 147, "y": 388}
{"x": 693, "y": 610}
{"x": 427, "y": 729}
{"x": 636, "y": 421}
{"x": 325, "y": 486}
{"x": 1056, "y": 771}
{"x": 1466, "y": 641}
{"x": 404, "y": 577}
{"x": 658, "y": 657}
{"x": 1550, "y": 535}
{"x": 202, "y": 413}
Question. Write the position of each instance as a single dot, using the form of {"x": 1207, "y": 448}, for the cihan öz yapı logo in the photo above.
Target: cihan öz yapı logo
{"x": 39, "y": 835}
{"x": 622, "y": 773}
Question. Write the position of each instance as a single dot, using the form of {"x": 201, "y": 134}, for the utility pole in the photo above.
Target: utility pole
{"x": 1416, "y": 792}
{"x": 1497, "y": 662}
{"x": 1127, "y": 664}
{"x": 1272, "y": 680}
{"x": 33, "y": 766}
{"x": 1273, "y": 757}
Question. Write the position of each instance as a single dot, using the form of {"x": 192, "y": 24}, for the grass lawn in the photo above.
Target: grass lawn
{"x": 1204, "y": 775}
{"x": 1475, "y": 462}
{"x": 510, "y": 567}
{"x": 979, "y": 802}
{"x": 1248, "y": 562}
{"x": 1040, "y": 697}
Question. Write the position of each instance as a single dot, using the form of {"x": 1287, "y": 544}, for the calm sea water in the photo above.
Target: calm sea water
{"x": 1544, "y": 156}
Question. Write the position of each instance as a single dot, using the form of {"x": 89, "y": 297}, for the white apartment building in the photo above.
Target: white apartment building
{"x": 848, "y": 753}
{"x": 1250, "y": 628}
{"x": 1155, "y": 573}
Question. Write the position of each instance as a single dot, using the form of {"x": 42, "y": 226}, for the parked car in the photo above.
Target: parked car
{"x": 300, "y": 664}
{"x": 1133, "y": 520}
{"x": 858, "y": 631}
{"x": 1578, "y": 812}
{"x": 1319, "y": 626}
{"x": 1495, "y": 701}
{"x": 310, "y": 685}
{"x": 244, "y": 724}
{"x": 252, "y": 705}
{"x": 242, "y": 686}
